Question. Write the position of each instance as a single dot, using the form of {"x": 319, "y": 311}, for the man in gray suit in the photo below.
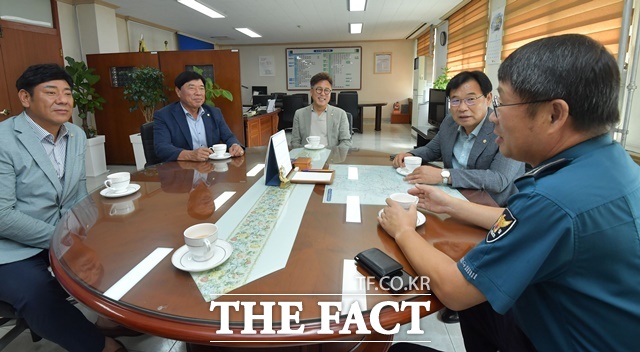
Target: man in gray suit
{"x": 321, "y": 119}
{"x": 466, "y": 144}
{"x": 41, "y": 178}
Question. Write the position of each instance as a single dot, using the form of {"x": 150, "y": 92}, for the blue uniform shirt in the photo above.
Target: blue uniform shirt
{"x": 565, "y": 254}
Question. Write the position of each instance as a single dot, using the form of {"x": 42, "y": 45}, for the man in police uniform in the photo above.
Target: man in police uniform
{"x": 559, "y": 269}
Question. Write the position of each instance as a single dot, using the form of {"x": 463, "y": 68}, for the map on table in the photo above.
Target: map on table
{"x": 374, "y": 185}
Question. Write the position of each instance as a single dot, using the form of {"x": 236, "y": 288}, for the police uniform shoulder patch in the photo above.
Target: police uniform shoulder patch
{"x": 503, "y": 225}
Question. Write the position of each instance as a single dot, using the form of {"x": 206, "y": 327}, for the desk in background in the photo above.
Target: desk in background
{"x": 259, "y": 128}
{"x": 378, "y": 107}
{"x": 167, "y": 302}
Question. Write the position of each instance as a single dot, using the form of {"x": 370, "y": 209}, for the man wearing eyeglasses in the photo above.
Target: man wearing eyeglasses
{"x": 321, "y": 119}
{"x": 466, "y": 144}
{"x": 559, "y": 269}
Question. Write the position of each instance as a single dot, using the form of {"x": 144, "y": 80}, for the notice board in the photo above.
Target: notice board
{"x": 344, "y": 64}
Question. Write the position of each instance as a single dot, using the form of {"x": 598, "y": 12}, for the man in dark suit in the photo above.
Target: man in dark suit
{"x": 466, "y": 144}
{"x": 185, "y": 130}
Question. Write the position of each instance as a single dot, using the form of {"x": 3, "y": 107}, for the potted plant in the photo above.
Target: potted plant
{"x": 87, "y": 100}
{"x": 85, "y": 97}
{"x": 213, "y": 90}
{"x": 145, "y": 90}
{"x": 442, "y": 80}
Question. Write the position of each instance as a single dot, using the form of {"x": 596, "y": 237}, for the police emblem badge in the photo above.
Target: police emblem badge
{"x": 503, "y": 225}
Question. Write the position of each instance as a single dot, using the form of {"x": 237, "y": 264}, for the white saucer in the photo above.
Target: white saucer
{"x": 402, "y": 171}
{"x": 214, "y": 157}
{"x": 181, "y": 258}
{"x": 308, "y": 146}
{"x": 131, "y": 189}
{"x": 420, "y": 221}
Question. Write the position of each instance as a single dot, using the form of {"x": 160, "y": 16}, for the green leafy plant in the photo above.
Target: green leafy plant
{"x": 442, "y": 80}
{"x": 145, "y": 90}
{"x": 213, "y": 90}
{"x": 85, "y": 97}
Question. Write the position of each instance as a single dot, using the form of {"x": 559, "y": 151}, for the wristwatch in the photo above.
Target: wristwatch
{"x": 445, "y": 176}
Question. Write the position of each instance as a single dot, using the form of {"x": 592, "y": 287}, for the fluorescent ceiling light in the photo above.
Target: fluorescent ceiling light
{"x": 249, "y": 32}
{"x": 357, "y": 5}
{"x": 201, "y": 8}
{"x": 355, "y": 28}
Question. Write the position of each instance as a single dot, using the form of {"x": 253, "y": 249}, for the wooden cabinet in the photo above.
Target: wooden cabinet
{"x": 259, "y": 128}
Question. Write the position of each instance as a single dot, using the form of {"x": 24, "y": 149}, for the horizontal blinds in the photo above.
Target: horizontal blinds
{"x": 424, "y": 41}
{"x": 528, "y": 20}
{"x": 467, "y": 45}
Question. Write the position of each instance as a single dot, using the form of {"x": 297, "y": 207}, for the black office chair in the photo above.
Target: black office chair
{"x": 305, "y": 98}
{"x": 290, "y": 103}
{"x": 334, "y": 99}
{"x": 348, "y": 101}
{"x": 146, "y": 133}
{"x": 7, "y": 314}
{"x": 350, "y": 118}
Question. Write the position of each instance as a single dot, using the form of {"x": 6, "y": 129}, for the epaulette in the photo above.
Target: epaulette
{"x": 546, "y": 169}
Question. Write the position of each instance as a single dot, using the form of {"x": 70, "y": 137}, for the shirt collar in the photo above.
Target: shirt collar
{"x": 188, "y": 114}
{"x": 43, "y": 134}
{"x": 475, "y": 130}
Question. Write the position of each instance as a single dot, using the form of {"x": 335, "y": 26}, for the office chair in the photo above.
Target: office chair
{"x": 348, "y": 101}
{"x": 333, "y": 100}
{"x": 146, "y": 133}
{"x": 305, "y": 98}
{"x": 8, "y": 313}
{"x": 290, "y": 103}
{"x": 350, "y": 118}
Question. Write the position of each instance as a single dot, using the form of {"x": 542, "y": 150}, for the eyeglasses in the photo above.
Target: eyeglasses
{"x": 320, "y": 90}
{"x": 497, "y": 104}
{"x": 469, "y": 101}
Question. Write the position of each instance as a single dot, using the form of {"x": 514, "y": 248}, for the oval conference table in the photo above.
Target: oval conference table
{"x": 112, "y": 235}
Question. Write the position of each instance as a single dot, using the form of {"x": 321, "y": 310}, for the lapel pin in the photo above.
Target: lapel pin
{"x": 484, "y": 141}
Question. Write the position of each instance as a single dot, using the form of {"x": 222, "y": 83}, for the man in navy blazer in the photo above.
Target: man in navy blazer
{"x": 466, "y": 144}
{"x": 185, "y": 130}
{"x": 42, "y": 177}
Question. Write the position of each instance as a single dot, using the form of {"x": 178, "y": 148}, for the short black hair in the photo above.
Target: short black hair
{"x": 37, "y": 74}
{"x": 187, "y": 76}
{"x": 571, "y": 67}
{"x": 322, "y": 76}
{"x": 465, "y": 76}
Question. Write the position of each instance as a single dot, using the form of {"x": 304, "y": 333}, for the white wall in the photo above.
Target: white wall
{"x": 69, "y": 31}
{"x": 389, "y": 88}
{"x": 154, "y": 38}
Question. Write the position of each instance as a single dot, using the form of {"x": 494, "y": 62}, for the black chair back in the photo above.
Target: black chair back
{"x": 146, "y": 134}
{"x": 334, "y": 99}
{"x": 348, "y": 101}
{"x": 305, "y": 97}
{"x": 8, "y": 313}
{"x": 350, "y": 118}
{"x": 290, "y": 103}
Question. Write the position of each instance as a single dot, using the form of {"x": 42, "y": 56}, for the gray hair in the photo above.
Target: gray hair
{"x": 571, "y": 67}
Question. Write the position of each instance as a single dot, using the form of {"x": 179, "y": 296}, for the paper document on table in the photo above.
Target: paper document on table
{"x": 136, "y": 274}
{"x": 321, "y": 177}
{"x": 353, "y": 287}
{"x": 353, "y": 209}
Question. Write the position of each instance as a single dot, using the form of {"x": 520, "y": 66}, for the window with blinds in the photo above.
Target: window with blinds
{"x": 424, "y": 41}
{"x": 468, "y": 31}
{"x": 528, "y": 20}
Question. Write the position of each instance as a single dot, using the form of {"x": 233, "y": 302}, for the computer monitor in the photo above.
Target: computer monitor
{"x": 261, "y": 99}
{"x": 437, "y": 107}
{"x": 259, "y": 90}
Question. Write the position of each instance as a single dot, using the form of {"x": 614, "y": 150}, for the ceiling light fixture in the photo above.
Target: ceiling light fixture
{"x": 357, "y": 5}
{"x": 250, "y": 33}
{"x": 201, "y": 8}
{"x": 355, "y": 28}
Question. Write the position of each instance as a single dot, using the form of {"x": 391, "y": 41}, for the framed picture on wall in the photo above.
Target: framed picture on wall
{"x": 382, "y": 63}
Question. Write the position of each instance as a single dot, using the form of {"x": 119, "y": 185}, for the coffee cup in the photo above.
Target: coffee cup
{"x": 219, "y": 149}
{"x": 314, "y": 141}
{"x": 118, "y": 182}
{"x": 412, "y": 162}
{"x": 404, "y": 199}
{"x": 122, "y": 208}
{"x": 200, "y": 240}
